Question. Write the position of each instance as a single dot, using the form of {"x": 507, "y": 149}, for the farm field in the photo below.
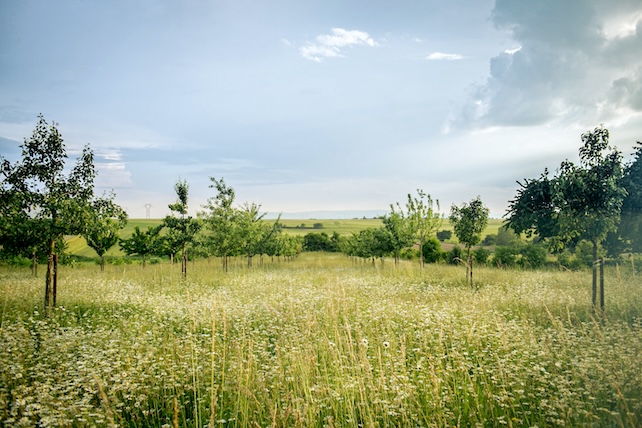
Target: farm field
{"x": 319, "y": 341}
{"x": 78, "y": 246}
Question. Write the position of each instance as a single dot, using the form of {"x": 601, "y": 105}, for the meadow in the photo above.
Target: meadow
{"x": 320, "y": 341}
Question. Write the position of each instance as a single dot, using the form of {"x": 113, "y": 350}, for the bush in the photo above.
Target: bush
{"x": 455, "y": 256}
{"x": 505, "y": 256}
{"x": 154, "y": 260}
{"x": 409, "y": 254}
{"x": 569, "y": 260}
{"x": 318, "y": 242}
{"x": 584, "y": 252}
{"x": 533, "y": 256}
{"x": 444, "y": 235}
{"x": 481, "y": 256}
{"x": 489, "y": 240}
{"x": 118, "y": 260}
{"x": 506, "y": 238}
{"x": 432, "y": 250}
{"x": 18, "y": 261}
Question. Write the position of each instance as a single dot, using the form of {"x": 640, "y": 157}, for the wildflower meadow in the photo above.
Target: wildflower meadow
{"x": 320, "y": 341}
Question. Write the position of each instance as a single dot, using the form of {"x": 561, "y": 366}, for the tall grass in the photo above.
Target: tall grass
{"x": 319, "y": 342}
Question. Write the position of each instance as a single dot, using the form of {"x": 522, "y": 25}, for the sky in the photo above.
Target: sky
{"x": 324, "y": 108}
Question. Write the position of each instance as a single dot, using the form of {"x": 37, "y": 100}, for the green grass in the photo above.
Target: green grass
{"x": 342, "y": 227}
{"x": 320, "y": 341}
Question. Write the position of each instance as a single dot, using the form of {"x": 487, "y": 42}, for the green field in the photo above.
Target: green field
{"x": 77, "y": 245}
{"x": 319, "y": 341}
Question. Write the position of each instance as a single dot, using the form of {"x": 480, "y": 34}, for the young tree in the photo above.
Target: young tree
{"x": 583, "y": 201}
{"x": 250, "y": 230}
{"x": 106, "y": 220}
{"x": 398, "y": 228}
{"x": 221, "y": 221}
{"x": 423, "y": 220}
{"x": 182, "y": 228}
{"x": 36, "y": 192}
{"x": 142, "y": 243}
{"x": 469, "y": 221}
{"x": 365, "y": 244}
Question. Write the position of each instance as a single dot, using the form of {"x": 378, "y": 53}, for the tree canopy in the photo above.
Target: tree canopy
{"x": 582, "y": 202}
{"x": 43, "y": 203}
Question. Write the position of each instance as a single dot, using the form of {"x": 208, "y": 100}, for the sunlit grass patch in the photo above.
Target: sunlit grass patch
{"x": 321, "y": 341}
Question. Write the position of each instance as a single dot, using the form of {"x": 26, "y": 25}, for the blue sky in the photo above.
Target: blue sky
{"x": 321, "y": 105}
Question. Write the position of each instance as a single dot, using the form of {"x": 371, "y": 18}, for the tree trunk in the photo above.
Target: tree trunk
{"x": 469, "y": 266}
{"x": 594, "y": 287}
{"x": 50, "y": 278}
{"x": 55, "y": 278}
{"x": 144, "y": 261}
{"x": 102, "y": 263}
{"x": 421, "y": 254}
{"x": 602, "y": 284}
{"x": 184, "y": 261}
{"x": 470, "y": 269}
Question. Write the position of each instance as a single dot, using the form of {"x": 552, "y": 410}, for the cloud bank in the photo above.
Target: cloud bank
{"x": 577, "y": 62}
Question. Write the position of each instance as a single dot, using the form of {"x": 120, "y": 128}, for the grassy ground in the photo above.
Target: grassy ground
{"x": 320, "y": 341}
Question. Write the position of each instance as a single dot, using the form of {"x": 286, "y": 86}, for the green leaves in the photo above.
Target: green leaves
{"x": 469, "y": 221}
{"x": 105, "y": 222}
{"x": 581, "y": 202}
{"x": 38, "y": 196}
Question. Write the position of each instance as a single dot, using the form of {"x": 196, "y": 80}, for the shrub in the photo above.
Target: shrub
{"x": 506, "y": 237}
{"x": 505, "y": 256}
{"x": 318, "y": 242}
{"x": 444, "y": 235}
{"x": 481, "y": 256}
{"x": 489, "y": 240}
{"x": 409, "y": 254}
{"x": 18, "y": 261}
{"x": 533, "y": 256}
{"x": 432, "y": 250}
{"x": 455, "y": 256}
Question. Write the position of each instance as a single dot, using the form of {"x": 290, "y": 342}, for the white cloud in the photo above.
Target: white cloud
{"x": 444, "y": 56}
{"x": 332, "y": 45}
{"x": 319, "y": 52}
{"x": 621, "y": 26}
{"x": 109, "y": 154}
{"x": 112, "y": 175}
